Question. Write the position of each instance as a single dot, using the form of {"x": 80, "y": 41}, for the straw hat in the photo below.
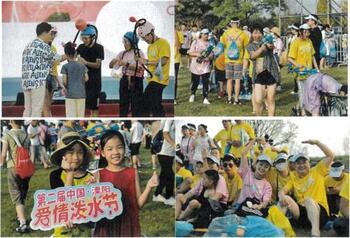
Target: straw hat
{"x": 66, "y": 141}
{"x": 276, "y": 30}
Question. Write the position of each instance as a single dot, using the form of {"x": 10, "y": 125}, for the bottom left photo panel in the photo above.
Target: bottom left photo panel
{"x": 84, "y": 178}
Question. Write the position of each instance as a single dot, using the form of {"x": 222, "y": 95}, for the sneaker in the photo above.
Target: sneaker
{"x": 205, "y": 101}
{"x": 170, "y": 201}
{"x": 292, "y": 92}
{"x": 279, "y": 88}
{"x": 191, "y": 98}
{"x": 158, "y": 198}
{"x": 22, "y": 228}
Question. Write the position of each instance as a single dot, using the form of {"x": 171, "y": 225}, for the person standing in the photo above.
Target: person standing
{"x": 91, "y": 54}
{"x": 158, "y": 63}
{"x": 18, "y": 187}
{"x": 136, "y": 139}
{"x": 315, "y": 35}
{"x": 34, "y": 131}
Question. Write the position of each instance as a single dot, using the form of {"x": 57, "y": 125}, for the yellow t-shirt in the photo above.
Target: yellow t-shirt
{"x": 184, "y": 173}
{"x": 345, "y": 190}
{"x": 233, "y": 185}
{"x": 241, "y": 39}
{"x": 180, "y": 38}
{"x": 277, "y": 182}
{"x": 312, "y": 185}
{"x": 241, "y": 132}
{"x": 302, "y": 51}
{"x": 55, "y": 65}
{"x": 220, "y": 62}
{"x": 159, "y": 49}
{"x": 222, "y": 137}
{"x": 195, "y": 180}
{"x": 62, "y": 231}
{"x": 332, "y": 183}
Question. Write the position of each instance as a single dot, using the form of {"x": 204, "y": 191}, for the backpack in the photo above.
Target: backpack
{"x": 157, "y": 141}
{"x": 24, "y": 166}
{"x": 233, "y": 51}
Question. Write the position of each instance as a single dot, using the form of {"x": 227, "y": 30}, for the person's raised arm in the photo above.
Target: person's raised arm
{"x": 142, "y": 198}
{"x": 244, "y": 160}
{"x": 325, "y": 149}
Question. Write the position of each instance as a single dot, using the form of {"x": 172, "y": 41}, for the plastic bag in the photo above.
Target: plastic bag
{"x": 183, "y": 228}
{"x": 218, "y": 225}
{"x": 117, "y": 73}
{"x": 280, "y": 220}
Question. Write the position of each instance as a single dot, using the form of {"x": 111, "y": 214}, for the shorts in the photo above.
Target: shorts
{"x": 92, "y": 99}
{"x": 265, "y": 78}
{"x": 135, "y": 148}
{"x": 183, "y": 51}
{"x": 233, "y": 71}
{"x": 18, "y": 188}
{"x": 51, "y": 84}
{"x": 220, "y": 75}
{"x": 304, "y": 222}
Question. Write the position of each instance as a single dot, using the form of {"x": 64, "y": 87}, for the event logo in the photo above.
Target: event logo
{"x": 76, "y": 204}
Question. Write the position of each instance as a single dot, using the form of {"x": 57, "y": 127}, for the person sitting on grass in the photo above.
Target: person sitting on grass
{"x": 72, "y": 156}
{"x": 190, "y": 182}
{"x": 232, "y": 178}
{"x": 181, "y": 172}
{"x": 255, "y": 185}
{"x": 184, "y": 201}
{"x": 334, "y": 183}
{"x": 310, "y": 207}
{"x": 202, "y": 201}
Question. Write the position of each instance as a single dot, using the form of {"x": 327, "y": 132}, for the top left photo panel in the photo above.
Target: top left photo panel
{"x": 88, "y": 58}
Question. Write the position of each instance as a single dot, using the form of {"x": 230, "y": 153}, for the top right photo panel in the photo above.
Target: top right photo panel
{"x": 261, "y": 58}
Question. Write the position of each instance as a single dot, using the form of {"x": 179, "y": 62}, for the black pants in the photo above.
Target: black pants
{"x": 131, "y": 95}
{"x": 195, "y": 83}
{"x": 177, "y": 66}
{"x": 166, "y": 177}
{"x": 333, "y": 203}
{"x": 341, "y": 226}
{"x": 148, "y": 141}
{"x": 153, "y": 100}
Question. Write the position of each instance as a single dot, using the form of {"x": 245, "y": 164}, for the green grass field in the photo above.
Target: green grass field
{"x": 284, "y": 100}
{"x": 156, "y": 219}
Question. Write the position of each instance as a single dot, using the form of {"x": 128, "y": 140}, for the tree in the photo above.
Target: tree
{"x": 282, "y": 132}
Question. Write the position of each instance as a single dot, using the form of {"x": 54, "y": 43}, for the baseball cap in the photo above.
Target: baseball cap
{"x": 214, "y": 159}
{"x": 312, "y": 16}
{"x": 336, "y": 169}
{"x": 264, "y": 157}
{"x": 294, "y": 158}
{"x": 184, "y": 127}
{"x": 205, "y": 31}
{"x": 304, "y": 27}
{"x": 191, "y": 126}
{"x": 178, "y": 159}
{"x": 281, "y": 157}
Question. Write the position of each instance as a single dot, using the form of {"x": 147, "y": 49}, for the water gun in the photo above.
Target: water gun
{"x": 305, "y": 71}
{"x": 268, "y": 39}
{"x": 205, "y": 53}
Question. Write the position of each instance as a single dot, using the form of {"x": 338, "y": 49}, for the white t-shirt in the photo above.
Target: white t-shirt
{"x": 168, "y": 126}
{"x": 136, "y": 132}
{"x": 34, "y": 130}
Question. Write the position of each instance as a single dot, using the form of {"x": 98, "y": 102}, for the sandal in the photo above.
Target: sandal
{"x": 229, "y": 101}
{"x": 238, "y": 102}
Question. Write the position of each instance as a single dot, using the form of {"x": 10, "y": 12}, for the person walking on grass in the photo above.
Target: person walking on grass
{"x": 18, "y": 187}
{"x": 200, "y": 66}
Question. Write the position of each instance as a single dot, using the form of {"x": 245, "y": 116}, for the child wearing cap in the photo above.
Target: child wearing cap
{"x": 72, "y": 156}
{"x": 181, "y": 172}
{"x": 190, "y": 182}
{"x": 255, "y": 184}
{"x": 334, "y": 183}
{"x": 200, "y": 66}
{"x": 131, "y": 83}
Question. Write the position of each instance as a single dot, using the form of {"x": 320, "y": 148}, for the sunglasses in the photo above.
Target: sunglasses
{"x": 228, "y": 164}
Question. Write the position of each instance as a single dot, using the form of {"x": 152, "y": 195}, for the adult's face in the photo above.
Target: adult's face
{"x": 302, "y": 167}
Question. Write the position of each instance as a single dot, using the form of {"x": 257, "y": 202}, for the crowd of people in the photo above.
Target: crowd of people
{"x": 85, "y": 152}
{"x": 247, "y": 62}
{"x": 80, "y": 81}
{"x": 236, "y": 172}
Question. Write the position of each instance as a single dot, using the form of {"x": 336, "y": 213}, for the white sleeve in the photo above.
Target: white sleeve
{"x": 167, "y": 125}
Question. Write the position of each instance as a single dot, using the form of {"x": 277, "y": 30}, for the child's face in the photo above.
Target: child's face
{"x": 261, "y": 168}
{"x": 256, "y": 35}
{"x": 215, "y": 153}
{"x": 75, "y": 155}
{"x": 114, "y": 151}
{"x": 207, "y": 182}
{"x": 198, "y": 168}
{"x": 127, "y": 44}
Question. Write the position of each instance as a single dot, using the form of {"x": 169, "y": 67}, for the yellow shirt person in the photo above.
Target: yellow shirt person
{"x": 242, "y": 132}
{"x": 222, "y": 137}
{"x": 179, "y": 40}
{"x": 312, "y": 186}
{"x": 157, "y": 50}
{"x": 242, "y": 40}
{"x": 234, "y": 185}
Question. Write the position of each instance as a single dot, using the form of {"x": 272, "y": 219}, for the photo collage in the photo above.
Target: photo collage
{"x": 174, "y": 118}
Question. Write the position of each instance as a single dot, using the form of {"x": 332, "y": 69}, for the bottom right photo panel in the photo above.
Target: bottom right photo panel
{"x": 255, "y": 178}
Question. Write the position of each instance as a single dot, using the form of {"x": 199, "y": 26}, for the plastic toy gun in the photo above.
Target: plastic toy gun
{"x": 268, "y": 39}
{"x": 303, "y": 72}
{"x": 205, "y": 54}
